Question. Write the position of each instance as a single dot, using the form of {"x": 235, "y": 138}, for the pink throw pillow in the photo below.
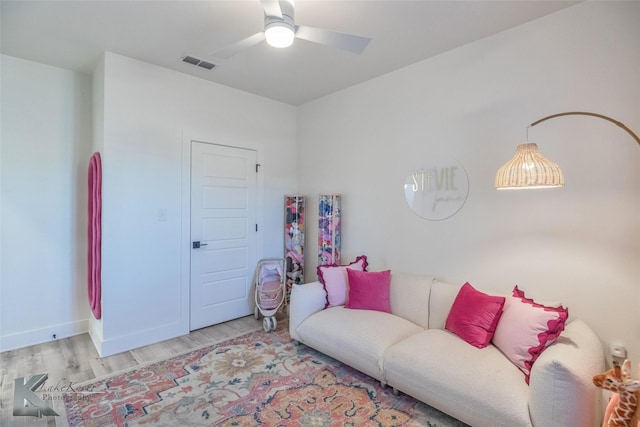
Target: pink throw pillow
{"x": 369, "y": 290}
{"x": 474, "y": 316}
{"x": 526, "y": 329}
{"x": 334, "y": 279}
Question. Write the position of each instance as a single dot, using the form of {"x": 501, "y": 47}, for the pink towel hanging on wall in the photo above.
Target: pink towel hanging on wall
{"x": 95, "y": 234}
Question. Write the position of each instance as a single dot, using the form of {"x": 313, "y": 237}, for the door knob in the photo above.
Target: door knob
{"x": 197, "y": 245}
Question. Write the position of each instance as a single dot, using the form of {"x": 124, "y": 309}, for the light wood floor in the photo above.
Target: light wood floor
{"x": 75, "y": 360}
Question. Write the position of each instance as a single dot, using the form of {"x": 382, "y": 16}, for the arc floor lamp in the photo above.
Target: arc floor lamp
{"x": 530, "y": 169}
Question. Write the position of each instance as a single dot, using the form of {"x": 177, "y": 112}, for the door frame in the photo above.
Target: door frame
{"x": 185, "y": 239}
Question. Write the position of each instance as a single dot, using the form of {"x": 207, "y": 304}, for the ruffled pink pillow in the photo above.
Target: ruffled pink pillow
{"x": 369, "y": 290}
{"x": 526, "y": 329}
{"x": 474, "y": 316}
{"x": 334, "y": 279}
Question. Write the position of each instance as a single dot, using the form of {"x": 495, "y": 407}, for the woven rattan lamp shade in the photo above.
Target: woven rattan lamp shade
{"x": 528, "y": 169}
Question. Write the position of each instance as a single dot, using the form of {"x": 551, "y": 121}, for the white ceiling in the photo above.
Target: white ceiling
{"x": 73, "y": 35}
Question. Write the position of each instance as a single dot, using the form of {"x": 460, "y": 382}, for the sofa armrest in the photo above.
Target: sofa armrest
{"x": 562, "y": 393}
{"x": 305, "y": 300}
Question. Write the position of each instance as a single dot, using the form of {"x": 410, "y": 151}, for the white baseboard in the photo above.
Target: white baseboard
{"x": 42, "y": 335}
{"x": 104, "y": 347}
{"x": 122, "y": 343}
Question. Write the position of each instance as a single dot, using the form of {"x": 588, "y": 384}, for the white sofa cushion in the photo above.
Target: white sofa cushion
{"x": 409, "y": 295}
{"x": 440, "y": 301}
{"x": 358, "y": 338}
{"x": 484, "y": 388}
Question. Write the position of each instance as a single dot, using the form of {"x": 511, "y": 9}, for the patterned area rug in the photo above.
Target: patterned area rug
{"x": 256, "y": 379}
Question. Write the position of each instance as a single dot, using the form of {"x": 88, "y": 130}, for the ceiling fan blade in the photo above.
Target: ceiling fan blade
{"x": 344, "y": 41}
{"x": 272, "y": 7}
{"x": 234, "y": 48}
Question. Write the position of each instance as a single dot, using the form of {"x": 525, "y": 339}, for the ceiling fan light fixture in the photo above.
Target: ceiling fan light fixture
{"x": 279, "y": 34}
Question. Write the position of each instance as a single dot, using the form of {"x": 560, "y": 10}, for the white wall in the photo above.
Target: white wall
{"x": 140, "y": 115}
{"x": 46, "y": 137}
{"x": 147, "y": 110}
{"x": 579, "y": 245}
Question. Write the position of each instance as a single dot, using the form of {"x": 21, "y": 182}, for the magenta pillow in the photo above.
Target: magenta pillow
{"x": 369, "y": 290}
{"x": 526, "y": 329}
{"x": 474, "y": 316}
{"x": 334, "y": 279}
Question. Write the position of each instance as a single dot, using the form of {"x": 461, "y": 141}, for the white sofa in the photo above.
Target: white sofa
{"x": 411, "y": 351}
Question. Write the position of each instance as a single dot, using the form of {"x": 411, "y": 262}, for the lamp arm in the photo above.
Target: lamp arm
{"x": 583, "y": 113}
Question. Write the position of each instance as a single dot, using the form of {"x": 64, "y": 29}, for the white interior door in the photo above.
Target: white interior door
{"x": 223, "y": 220}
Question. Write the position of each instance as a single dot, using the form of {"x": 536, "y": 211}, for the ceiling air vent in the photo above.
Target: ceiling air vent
{"x": 198, "y": 62}
{"x": 207, "y": 65}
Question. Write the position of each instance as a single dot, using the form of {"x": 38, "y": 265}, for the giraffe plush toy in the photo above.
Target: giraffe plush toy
{"x": 624, "y": 404}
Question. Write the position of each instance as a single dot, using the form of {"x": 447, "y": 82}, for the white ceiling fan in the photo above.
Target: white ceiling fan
{"x": 280, "y": 30}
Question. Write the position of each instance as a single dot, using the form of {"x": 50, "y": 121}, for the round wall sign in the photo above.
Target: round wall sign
{"x": 437, "y": 191}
